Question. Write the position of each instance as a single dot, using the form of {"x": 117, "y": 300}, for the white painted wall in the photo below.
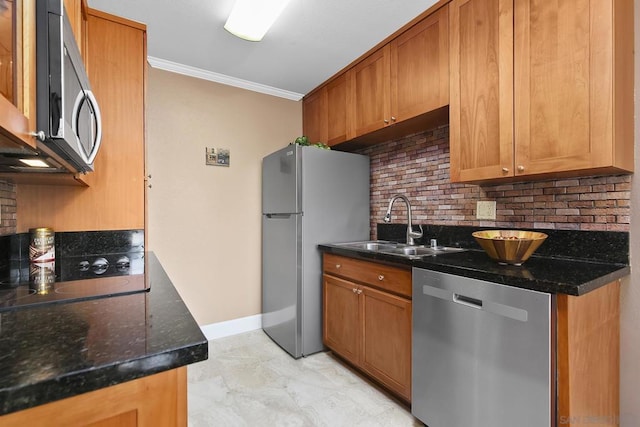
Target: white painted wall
{"x": 630, "y": 295}
{"x": 204, "y": 221}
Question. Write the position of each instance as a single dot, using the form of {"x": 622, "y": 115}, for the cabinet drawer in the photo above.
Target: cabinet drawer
{"x": 392, "y": 279}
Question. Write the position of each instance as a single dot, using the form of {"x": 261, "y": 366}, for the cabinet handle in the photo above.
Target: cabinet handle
{"x": 393, "y": 119}
{"x": 520, "y": 168}
{"x": 355, "y": 290}
{"x": 338, "y": 266}
{"x": 505, "y": 170}
{"x": 381, "y": 277}
{"x": 386, "y": 121}
{"x": 359, "y": 291}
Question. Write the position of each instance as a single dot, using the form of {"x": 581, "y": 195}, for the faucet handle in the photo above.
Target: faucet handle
{"x": 416, "y": 234}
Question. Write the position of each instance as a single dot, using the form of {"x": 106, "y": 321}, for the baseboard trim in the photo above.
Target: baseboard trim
{"x": 232, "y": 327}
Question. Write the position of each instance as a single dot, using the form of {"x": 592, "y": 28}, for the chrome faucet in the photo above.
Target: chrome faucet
{"x": 410, "y": 233}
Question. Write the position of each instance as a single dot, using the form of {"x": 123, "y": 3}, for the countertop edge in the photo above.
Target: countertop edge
{"x": 431, "y": 263}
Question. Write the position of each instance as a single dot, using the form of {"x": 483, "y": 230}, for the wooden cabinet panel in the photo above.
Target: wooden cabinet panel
{"x": 337, "y": 112}
{"x": 540, "y": 89}
{"x": 156, "y": 400}
{"x": 420, "y": 67}
{"x": 386, "y": 339}
{"x": 371, "y": 92}
{"x": 314, "y": 116}
{"x": 481, "y": 104}
{"x": 17, "y": 106}
{"x": 382, "y": 276}
{"x": 368, "y": 327}
{"x": 588, "y": 362}
{"x": 116, "y": 59}
{"x": 341, "y": 319}
{"x": 565, "y": 85}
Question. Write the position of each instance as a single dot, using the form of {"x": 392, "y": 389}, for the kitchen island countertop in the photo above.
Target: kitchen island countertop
{"x": 55, "y": 351}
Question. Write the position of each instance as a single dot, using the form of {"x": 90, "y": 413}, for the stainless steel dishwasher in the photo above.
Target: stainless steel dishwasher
{"x": 483, "y": 353}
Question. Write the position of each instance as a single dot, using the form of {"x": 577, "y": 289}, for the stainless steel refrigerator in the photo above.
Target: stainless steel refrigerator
{"x": 309, "y": 196}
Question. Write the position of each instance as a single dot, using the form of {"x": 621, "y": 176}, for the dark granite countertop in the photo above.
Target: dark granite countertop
{"x": 55, "y": 351}
{"x": 544, "y": 274}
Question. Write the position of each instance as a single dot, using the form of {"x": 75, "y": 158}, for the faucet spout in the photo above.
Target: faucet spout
{"x": 411, "y": 235}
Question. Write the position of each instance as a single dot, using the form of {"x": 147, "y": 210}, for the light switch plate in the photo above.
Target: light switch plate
{"x": 486, "y": 210}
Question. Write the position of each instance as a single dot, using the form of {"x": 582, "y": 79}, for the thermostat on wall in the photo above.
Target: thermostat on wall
{"x": 217, "y": 156}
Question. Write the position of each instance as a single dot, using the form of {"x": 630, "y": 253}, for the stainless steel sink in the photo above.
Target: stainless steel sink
{"x": 373, "y": 245}
{"x": 419, "y": 251}
{"x": 399, "y": 249}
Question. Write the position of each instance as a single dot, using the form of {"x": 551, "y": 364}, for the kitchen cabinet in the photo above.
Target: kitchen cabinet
{"x": 116, "y": 65}
{"x": 17, "y": 81}
{"x": 325, "y": 112}
{"x": 540, "y": 89}
{"x": 403, "y": 79}
{"x": 367, "y": 319}
{"x": 156, "y": 400}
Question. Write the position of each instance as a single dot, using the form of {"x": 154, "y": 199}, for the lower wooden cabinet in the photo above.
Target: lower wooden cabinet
{"x": 367, "y": 324}
{"x": 156, "y": 400}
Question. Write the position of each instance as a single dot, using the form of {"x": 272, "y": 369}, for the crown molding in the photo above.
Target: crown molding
{"x": 199, "y": 73}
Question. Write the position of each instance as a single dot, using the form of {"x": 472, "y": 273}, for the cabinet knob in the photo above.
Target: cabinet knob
{"x": 381, "y": 277}
{"x": 386, "y": 121}
{"x": 393, "y": 119}
{"x": 359, "y": 291}
{"x": 505, "y": 170}
{"x": 520, "y": 168}
{"x": 355, "y": 290}
{"x": 38, "y": 135}
{"x": 338, "y": 266}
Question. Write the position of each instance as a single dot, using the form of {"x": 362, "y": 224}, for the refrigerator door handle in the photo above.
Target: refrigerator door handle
{"x": 278, "y": 216}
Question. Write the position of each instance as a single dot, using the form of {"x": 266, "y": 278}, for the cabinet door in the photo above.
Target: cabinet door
{"x": 314, "y": 116}
{"x": 17, "y": 74}
{"x": 386, "y": 340}
{"x": 370, "y": 91}
{"x": 420, "y": 67}
{"x": 481, "y": 105}
{"x": 564, "y": 85}
{"x": 341, "y": 331}
{"x": 337, "y": 110}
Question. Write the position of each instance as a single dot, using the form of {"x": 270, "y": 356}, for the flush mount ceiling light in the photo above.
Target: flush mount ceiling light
{"x": 36, "y": 163}
{"x": 251, "y": 19}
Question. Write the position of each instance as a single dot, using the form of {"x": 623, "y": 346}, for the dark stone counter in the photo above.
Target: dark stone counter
{"x": 60, "y": 350}
{"x": 554, "y": 268}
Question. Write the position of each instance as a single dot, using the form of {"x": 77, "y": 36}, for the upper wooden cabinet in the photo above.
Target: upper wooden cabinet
{"x": 17, "y": 99}
{"x": 403, "y": 79}
{"x": 540, "y": 89}
{"x": 420, "y": 67}
{"x": 325, "y": 112}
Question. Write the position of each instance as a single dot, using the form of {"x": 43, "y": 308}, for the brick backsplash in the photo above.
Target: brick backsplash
{"x": 418, "y": 167}
{"x": 8, "y": 211}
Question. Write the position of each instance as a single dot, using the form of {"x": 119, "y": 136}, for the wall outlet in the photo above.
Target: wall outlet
{"x": 486, "y": 210}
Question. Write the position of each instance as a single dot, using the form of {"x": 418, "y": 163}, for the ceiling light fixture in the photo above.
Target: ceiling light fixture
{"x": 251, "y": 19}
{"x": 36, "y": 163}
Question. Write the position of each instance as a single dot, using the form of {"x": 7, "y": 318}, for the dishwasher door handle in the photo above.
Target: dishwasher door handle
{"x": 468, "y": 301}
{"x": 503, "y": 310}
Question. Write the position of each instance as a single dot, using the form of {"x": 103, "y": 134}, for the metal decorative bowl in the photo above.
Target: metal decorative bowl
{"x": 509, "y": 246}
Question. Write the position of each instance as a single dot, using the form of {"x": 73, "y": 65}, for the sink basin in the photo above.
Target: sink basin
{"x": 374, "y": 245}
{"x": 419, "y": 251}
{"x": 399, "y": 249}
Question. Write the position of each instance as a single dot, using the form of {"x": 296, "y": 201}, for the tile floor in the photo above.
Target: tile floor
{"x": 250, "y": 381}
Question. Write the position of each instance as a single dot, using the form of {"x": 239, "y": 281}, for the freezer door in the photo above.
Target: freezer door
{"x": 281, "y": 181}
{"x": 281, "y": 279}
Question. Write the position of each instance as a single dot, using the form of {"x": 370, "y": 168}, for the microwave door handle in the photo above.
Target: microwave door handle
{"x": 96, "y": 132}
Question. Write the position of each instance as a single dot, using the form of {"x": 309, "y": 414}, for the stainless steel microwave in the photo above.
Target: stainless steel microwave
{"x": 68, "y": 116}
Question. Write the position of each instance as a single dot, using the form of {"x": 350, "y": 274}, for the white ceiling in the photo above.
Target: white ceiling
{"x": 310, "y": 42}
